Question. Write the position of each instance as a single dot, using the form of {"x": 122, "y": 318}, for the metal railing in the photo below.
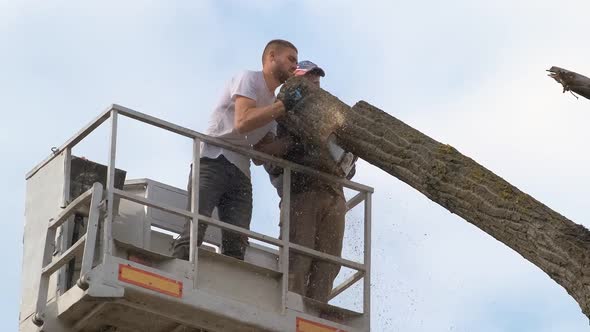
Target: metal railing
{"x": 86, "y": 244}
{"x": 285, "y": 246}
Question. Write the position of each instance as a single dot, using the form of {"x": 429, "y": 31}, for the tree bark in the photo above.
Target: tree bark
{"x": 555, "y": 244}
{"x": 571, "y": 81}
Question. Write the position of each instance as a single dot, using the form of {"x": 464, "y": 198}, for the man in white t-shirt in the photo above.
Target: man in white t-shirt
{"x": 244, "y": 115}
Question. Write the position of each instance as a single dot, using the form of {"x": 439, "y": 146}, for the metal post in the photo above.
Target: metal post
{"x": 65, "y": 199}
{"x": 367, "y": 260}
{"x": 194, "y": 229}
{"x": 39, "y": 315}
{"x": 91, "y": 234}
{"x": 284, "y": 251}
{"x": 64, "y": 232}
{"x": 108, "y": 223}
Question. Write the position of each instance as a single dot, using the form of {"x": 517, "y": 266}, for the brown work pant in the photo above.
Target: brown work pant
{"x": 316, "y": 222}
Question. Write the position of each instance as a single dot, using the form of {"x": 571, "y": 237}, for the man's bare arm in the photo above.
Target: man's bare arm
{"x": 249, "y": 117}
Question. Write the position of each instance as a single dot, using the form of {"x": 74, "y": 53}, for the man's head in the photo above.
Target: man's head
{"x": 311, "y": 71}
{"x": 280, "y": 58}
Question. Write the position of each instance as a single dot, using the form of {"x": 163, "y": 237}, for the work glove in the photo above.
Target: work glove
{"x": 289, "y": 97}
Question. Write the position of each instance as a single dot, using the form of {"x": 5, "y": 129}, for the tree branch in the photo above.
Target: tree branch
{"x": 571, "y": 81}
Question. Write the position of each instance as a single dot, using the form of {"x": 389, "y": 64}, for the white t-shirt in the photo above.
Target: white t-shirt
{"x": 249, "y": 84}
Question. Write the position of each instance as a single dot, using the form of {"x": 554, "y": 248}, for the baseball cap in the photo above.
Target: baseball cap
{"x": 307, "y": 66}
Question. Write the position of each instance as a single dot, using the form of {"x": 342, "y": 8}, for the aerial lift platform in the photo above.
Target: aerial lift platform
{"x": 97, "y": 253}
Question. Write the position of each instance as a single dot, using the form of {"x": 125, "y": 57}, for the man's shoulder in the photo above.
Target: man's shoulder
{"x": 249, "y": 79}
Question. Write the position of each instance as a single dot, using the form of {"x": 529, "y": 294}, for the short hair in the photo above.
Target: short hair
{"x": 277, "y": 45}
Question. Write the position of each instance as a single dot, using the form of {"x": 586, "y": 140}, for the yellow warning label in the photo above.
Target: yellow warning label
{"x": 304, "y": 325}
{"x": 150, "y": 280}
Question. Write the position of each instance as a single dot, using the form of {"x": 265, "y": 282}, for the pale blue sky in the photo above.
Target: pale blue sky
{"x": 469, "y": 74}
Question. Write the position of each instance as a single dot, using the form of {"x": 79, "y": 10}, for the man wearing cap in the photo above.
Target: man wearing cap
{"x": 245, "y": 113}
{"x": 318, "y": 210}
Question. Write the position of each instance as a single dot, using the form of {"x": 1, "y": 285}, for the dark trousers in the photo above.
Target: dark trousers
{"x": 221, "y": 185}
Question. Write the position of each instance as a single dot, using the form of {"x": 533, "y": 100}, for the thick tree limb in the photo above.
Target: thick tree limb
{"x": 571, "y": 81}
{"x": 555, "y": 244}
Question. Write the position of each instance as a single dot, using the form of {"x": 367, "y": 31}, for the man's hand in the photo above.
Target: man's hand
{"x": 273, "y": 146}
{"x": 276, "y": 147}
